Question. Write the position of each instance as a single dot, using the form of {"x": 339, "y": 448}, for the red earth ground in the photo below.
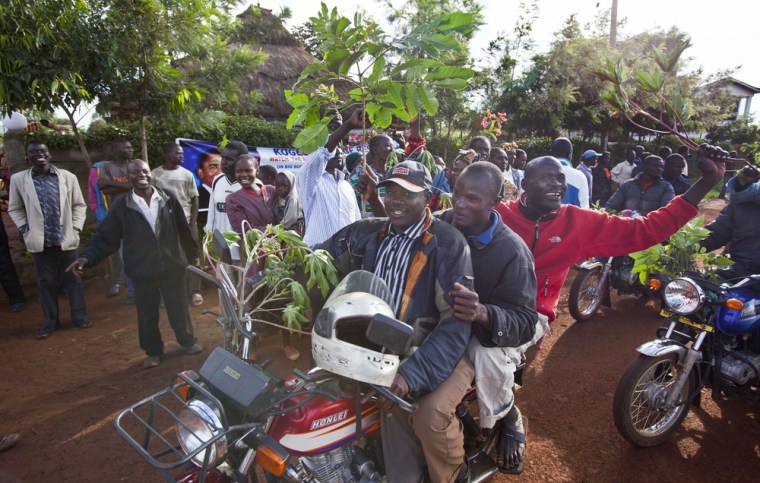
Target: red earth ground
{"x": 63, "y": 393}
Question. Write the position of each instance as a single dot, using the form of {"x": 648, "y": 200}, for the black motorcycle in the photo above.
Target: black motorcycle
{"x": 597, "y": 277}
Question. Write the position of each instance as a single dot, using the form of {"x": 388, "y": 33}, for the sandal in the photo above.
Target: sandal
{"x": 291, "y": 352}
{"x": 519, "y": 437}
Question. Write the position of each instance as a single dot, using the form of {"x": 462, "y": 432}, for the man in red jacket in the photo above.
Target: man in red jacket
{"x": 560, "y": 235}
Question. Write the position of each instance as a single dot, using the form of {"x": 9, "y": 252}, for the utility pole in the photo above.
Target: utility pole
{"x": 613, "y": 23}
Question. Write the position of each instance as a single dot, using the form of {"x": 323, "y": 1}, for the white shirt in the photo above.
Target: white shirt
{"x": 150, "y": 211}
{"x": 328, "y": 204}
{"x": 622, "y": 172}
{"x": 217, "y": 203}
{"x": 577, "y": 180}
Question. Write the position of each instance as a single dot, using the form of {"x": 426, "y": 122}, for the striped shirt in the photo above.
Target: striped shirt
{"x": 328, "y": 204}
{"x": 393, "y": 258}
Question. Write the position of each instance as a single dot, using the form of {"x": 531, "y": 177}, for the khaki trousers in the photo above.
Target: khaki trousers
{"x": 430, "y": 436}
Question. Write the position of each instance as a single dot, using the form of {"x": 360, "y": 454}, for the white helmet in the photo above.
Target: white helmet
{"x": 338, "y": 341}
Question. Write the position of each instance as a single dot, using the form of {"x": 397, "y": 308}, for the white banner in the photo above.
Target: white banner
{"x": 284, "y": 159}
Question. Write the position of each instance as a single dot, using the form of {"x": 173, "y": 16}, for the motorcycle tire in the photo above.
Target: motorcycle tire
{"x": 585, "y": 298}
{"x": 643, "y": 388}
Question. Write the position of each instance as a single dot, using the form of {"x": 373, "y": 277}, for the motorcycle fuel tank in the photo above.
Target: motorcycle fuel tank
{"x": 738, "y": 322}
{"x": 321, "y": 425}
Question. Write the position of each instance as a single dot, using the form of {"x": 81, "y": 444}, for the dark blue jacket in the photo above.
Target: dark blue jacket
{"x": 440, "y": 257}
{"x": 630, "y": 196}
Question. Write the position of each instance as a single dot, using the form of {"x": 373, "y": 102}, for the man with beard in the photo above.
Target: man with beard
{"x": 558, "y": 235}
{"x": 46, "y": 204}
{"x": 646, "y": 192}
{"x": 158, "y": 245}
{"x": 224, "y": 184}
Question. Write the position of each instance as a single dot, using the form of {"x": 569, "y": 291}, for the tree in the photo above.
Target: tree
{"x": 357, "y": 54}
{"x": 44, "y": 43}
{"x": 151, "y": 41}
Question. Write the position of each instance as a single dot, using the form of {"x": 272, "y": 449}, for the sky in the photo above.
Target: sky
{"x": 723, "y": 35}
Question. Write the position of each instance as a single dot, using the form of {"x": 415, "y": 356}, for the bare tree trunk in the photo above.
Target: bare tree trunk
{"x": 613, "y": 23}
{"x": 143, "y": 139}
{"x": 77, "y": 135}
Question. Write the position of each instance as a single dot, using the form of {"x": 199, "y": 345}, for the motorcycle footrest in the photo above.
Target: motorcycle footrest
{"x": 482, "y": 467}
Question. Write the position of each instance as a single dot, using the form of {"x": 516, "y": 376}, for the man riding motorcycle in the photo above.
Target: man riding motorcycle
{"x": 421, "y": 260}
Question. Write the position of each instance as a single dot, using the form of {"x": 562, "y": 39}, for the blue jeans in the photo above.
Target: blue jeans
{"x": 50, "y": 265}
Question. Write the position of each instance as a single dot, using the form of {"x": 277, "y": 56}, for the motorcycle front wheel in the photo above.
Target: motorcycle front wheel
{"x": 586, "y": 294}
{"x": 638, "y": 408}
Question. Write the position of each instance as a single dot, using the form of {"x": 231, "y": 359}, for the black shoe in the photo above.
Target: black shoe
{"x": 44, "y": 334}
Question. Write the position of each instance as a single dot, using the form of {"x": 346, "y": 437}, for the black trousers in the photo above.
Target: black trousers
{"x": 148, "y": 294}
{"x": 8, "y": 276}
{"x": 50, "y": 267}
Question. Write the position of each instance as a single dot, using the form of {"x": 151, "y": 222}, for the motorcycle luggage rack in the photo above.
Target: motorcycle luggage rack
{"x": 150, "y": 419}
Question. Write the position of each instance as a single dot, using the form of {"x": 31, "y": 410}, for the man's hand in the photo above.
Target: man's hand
{"x": 712, "y": 161}
{"x": 77, "y": 266}
{"x": 368, "y": 184}
{"x": 748, "y": 175}
{"x": 400, "y": 388}
{"x": 355, "y": 120}
{"x": 712, "y": 165}
{"x": 466, "y": 305}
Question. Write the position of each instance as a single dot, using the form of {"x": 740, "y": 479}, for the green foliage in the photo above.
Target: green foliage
{"x": 43, "y": 44}
{"x": 682, "y": 253}
{"x": 211, "y": 126}
{"x": 285, "y": 260}
{"x": 357, "y": 53}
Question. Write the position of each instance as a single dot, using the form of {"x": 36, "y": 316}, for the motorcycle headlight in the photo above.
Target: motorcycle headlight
{"x": 198, "y": 424}
{"x": 683, "y": 296}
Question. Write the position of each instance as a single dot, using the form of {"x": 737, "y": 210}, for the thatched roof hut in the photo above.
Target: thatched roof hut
{"x": 261, "y": 29}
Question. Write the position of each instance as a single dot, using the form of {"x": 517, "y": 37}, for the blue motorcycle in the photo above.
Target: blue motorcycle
{"x": 711, "y": 339}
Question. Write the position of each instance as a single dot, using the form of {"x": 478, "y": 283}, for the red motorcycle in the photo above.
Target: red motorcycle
{"x": 236, "y": 421}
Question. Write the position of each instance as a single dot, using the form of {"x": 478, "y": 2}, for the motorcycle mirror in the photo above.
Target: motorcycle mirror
{"x": 221, "y": 247}
{"x": 394, "y": 335}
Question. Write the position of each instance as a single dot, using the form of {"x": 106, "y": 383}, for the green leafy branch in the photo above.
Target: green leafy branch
{"x": 282, "y": 259}
{"x": 683, "y": 252}
{"x": 652, "y": 88}
{"x": 358, "y": 56}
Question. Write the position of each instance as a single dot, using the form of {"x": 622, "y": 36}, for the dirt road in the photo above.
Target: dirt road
{"x": 63, "y": 394}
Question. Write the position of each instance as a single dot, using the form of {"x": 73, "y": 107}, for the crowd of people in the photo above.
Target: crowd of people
{"x": 474, "y": 255}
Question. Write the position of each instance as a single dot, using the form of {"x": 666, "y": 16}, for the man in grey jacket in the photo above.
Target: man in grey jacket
{"x": 46, "y": 204}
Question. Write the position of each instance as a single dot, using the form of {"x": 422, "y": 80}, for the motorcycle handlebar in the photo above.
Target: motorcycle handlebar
{"x": 229, "y": 306}
{"x": 386, "y": 393}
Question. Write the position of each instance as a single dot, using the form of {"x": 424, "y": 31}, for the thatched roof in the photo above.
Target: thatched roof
{"x": 262, "y": 30}
{"x": 287, "y": 59}
{"x": 279, "y": 72}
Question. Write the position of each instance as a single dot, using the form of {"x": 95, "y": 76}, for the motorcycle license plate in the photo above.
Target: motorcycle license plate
{"x": 686, "y": 321}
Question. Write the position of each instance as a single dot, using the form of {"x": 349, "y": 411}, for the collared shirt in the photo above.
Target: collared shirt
{"x": 622, "y": 172}
{"x": 48, "y": 193}
{"x": 150, "y": 211}
{"x": 393, "y": 257}
{"x": 328, "y": 204}
{"x": 486, "y": 237}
